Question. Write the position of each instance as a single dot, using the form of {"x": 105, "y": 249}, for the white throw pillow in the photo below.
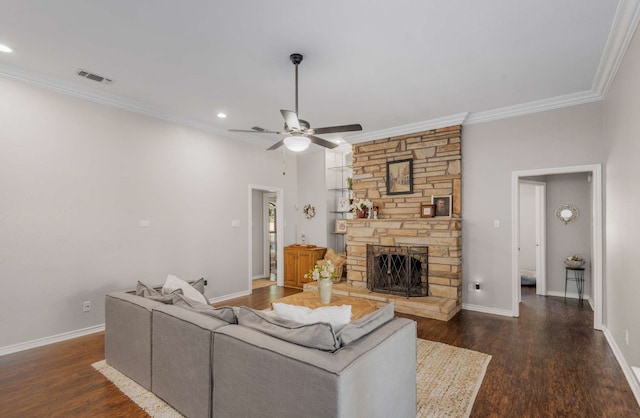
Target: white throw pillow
{"x": 172, "y": 283}
{"x": 336, "y": 316}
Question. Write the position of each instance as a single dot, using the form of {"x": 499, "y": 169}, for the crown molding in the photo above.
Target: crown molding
{"x": 112, "y": 100}
{"x": 623, "y": 27}
{"x": 408, "y": 129}
{"x": 568, "y": 100}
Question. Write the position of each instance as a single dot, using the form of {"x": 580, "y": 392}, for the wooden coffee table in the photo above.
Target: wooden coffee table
{"x": 311, "y": 299}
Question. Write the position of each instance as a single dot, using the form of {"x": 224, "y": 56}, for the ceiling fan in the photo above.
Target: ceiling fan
{"x": 299, "y": 132}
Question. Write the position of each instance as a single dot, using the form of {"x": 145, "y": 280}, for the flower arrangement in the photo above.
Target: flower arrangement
{"x": 362, "y": 204}
{"x": 323, "y": 270}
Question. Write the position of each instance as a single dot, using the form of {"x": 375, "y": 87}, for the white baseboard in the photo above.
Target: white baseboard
{"x": 231, "y": 296}
{"x": 260, "y": 276}
{"x": 571, "y": 296}
{"x": 486, "y": 309}
{"x": 9, "y": 349}
{"x": 49, "y": 340}
{"x": 626, "y": 369}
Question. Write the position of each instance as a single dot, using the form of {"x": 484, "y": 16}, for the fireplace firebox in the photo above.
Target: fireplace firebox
{"x": 400, "y": 270}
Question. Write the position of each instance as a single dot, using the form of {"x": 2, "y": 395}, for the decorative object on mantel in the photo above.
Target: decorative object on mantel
{"x": 441, "y": 205}
{"x": 400, "y": 177}
{"x": 574, "y": 262}
{"x": 309, "y": 211}
{"x": 567, "y": 213}
{"x": 323, "y": 273}
{"x": 426, "y": 211}
{"x": 362, "y": 207}
{"x": 375, "y": 212}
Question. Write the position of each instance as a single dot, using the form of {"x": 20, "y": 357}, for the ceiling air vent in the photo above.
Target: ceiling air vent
{"x": 94, "y": 77}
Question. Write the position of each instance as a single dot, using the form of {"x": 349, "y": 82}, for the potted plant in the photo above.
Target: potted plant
{"x": 361, "y": 207}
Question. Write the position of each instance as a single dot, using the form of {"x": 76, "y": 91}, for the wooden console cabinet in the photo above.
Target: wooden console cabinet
{"x": 298, "y": 260}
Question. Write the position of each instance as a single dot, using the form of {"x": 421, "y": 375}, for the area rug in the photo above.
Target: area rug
{"x": 260, "y": 283}
{"x": 448, "y": 379}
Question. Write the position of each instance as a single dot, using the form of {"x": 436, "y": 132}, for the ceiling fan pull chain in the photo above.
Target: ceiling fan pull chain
{"x": 284, "y": 160}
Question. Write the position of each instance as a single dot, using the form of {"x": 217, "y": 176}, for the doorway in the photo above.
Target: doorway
{"x": 596, "y": 232}
{"x": 270, "y": 238}
{"x": 266, "y": 221}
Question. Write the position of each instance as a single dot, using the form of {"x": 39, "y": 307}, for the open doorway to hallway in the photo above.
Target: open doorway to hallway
{"x": 580, "y": 186}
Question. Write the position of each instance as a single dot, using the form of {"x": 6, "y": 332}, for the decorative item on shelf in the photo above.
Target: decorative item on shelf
{"x": 350, "y": 183}
{"x": 361, "y": 208}
{"x": 375, "y": 212}
{"x": 426, "y": 211}
{"x": 574, "y": 262}
{"x": 400, "y": 177}
{"x": 567, "y": 213}
{"x": 343, "y": 204}
{"x": 309, "y": 211}
{"x": 341, "y": 226}
{"x": 324, "y": 274}
{"x": 441, "y": 205}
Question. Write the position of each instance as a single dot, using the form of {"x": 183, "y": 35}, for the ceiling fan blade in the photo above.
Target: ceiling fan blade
{"x": 335, "y": 129}
{"x": 323, "y": 142}
{"x": 255, "y": 130}
{"x": 276, "y": 145}
{"x": 291, "y": 119}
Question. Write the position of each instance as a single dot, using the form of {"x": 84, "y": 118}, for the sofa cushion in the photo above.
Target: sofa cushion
{"x": 365, "y": 325}
{"x": 150, "y": 293}
{"x": 337, "y": 316}
{"x": 319, "y": 335}
{"x": 224, "y": 313}
{"x": 172, "y": 283}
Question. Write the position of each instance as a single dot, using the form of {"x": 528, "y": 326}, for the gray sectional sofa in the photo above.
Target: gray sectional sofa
{"x": 206, "y": 367}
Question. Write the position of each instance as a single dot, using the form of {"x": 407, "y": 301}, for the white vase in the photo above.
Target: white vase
{"x": 324, "y": 289}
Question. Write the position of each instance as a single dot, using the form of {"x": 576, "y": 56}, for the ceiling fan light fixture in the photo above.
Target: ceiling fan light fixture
{"x": 296, "y": 143}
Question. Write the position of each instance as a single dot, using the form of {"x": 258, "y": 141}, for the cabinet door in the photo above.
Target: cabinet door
{"x": 306, "y": 261}
{"x": 290, "y": 267}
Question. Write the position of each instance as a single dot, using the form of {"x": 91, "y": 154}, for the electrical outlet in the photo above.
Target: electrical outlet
{"x": 86, "y": 306}
{"x": 205, "y": 282}
{"x": 477, "y": 286}
{"x": 626, "y": 336}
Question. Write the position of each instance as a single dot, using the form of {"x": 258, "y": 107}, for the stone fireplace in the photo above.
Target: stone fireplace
{"x": 436, "y": 156}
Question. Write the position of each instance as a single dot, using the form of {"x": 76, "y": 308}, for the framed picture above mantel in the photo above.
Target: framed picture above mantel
{"x": 400, "y": 177}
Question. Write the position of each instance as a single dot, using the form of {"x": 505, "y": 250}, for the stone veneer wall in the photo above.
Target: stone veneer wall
{"x": 437, "y": 159}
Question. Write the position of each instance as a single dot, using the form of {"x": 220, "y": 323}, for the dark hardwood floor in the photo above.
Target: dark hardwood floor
{"x": 547, "y": 363}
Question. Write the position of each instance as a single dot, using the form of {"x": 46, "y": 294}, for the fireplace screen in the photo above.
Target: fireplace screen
{"x": 400, "y": 270}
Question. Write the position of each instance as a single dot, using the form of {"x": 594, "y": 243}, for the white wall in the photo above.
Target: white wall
{"x": 76, "y": 178}
{"x": 566, "y": 240}
{"x": 491, "y": 152}
{"x": 622, "y": 134}
{"x": 527, "y": 255}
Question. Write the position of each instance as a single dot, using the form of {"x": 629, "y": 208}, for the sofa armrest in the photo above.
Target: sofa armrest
{"x": 127, "y": 345}
{"x": 181, "y": 372}
{"x": 374, "y": 376}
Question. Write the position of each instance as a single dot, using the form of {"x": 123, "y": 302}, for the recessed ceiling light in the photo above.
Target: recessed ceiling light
{"x": 4, "y": 48}
{"x": 222, "y": 115}
{"x": 339, "y": 141}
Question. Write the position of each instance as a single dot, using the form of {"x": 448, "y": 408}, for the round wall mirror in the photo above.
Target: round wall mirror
{"x": 567, "y": 213}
